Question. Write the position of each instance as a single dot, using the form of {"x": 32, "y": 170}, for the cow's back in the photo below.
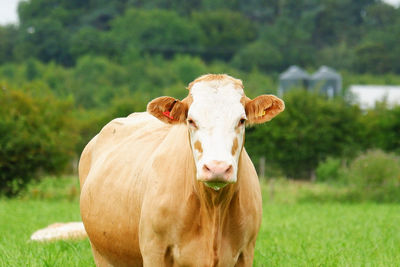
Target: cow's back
{"x": 113, "y": 181}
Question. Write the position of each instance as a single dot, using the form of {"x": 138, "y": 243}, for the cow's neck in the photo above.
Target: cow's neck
{"x": 211, "y": 200}
{"x": 213, "y": 215}
{"x": 214, "y": 206}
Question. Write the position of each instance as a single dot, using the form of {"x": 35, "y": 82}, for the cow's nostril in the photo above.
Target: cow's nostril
{"x": 229, "y": 169}
{"x": 206, "y": 169}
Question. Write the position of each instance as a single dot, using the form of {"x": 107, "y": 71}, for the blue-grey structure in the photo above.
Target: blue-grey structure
{"x": 326, "y": 81}
{"x": 293, "y": 77}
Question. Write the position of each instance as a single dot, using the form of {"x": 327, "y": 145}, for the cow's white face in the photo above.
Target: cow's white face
{"x": 216, "y": 122}
{"x": 216, "y": 111}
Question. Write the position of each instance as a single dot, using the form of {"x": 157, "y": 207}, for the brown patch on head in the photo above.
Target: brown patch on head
{"x": 198, "y": 147}
{"x": 217, "y": 77}
{"x": 235, "y": 146}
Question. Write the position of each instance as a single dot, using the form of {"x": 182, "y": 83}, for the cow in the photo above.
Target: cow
{"x": 174, "y": 186}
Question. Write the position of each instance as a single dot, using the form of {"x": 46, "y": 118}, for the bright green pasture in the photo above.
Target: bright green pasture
{"x": 293, "y": 233}
{"x": 329, "y": 235}
{"x": 20, "y": 218}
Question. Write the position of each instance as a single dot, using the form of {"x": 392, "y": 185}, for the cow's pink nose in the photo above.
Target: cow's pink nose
{"x": 217, "y": 170}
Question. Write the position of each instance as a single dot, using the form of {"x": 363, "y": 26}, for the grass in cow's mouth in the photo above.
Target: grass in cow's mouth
{"x": 216, "y": 185}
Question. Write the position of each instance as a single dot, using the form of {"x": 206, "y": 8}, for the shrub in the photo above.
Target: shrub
{"x": 37, "y": 134}
{"x": 52, "y": 188}
{"x": 375, "y": 176}
{"x": 382, "y": 126}
{"x": 329, "y": 170}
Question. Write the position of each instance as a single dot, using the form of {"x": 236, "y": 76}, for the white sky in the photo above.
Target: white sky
{"x": 393, "y": 2}
{"x": 8, "y": 10}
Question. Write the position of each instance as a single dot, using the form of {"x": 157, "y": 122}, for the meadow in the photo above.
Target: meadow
{"x": 296, "y": 230}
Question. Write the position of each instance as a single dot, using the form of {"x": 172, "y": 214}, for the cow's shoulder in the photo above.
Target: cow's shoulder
{"x": 136, "y": 122}
{"x": 132, "y": 133}
{"x": 128, "y": 130}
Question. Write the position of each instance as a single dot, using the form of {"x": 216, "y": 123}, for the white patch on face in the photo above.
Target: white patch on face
{"x": 216, "y": 112}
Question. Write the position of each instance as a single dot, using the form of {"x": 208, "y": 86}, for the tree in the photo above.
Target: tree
{"x": 155, "y": 32}
{"x": 378, "y": 51}
{"x": 260, "y": 55}
{"x": 7, "y": 42}
{"x": 379, "y": 15}
{"x": 372, "y": 57}
{"x": 223, "y": 32}
{"x": 382, "y": 125}
{"x": 339, "y": 21}
{"x": 96, "y": 81}
{"x": 44, "y": 39}
{"x": 89, "y": 41}
{"x": 292, "y": 38}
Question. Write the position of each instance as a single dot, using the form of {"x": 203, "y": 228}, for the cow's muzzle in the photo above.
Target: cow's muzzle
{"x": 216, "y": 174}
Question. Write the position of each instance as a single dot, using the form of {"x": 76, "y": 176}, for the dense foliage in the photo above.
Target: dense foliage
{"x": 37, "y": 134}
{"x": 353, "y": 35}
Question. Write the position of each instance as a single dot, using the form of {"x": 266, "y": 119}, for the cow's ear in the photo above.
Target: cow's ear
{"x": 263, "y": 108}
{"x": 168, "y": 109}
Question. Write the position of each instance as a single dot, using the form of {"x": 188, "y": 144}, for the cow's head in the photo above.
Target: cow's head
{"x": 216, "y": 112}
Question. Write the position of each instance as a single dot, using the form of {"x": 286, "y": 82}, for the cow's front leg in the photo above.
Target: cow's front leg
{"x": 246, "y": 257}
{"x": 153, "y": 244}
{"x": 156, "y": 253}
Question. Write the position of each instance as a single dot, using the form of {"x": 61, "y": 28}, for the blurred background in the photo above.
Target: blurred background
{"x": 329, "y": 165}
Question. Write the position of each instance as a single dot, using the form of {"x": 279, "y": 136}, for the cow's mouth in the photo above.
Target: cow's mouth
{"x": 216, "y": 185}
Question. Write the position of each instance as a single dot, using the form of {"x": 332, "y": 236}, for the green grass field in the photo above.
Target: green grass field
{"x": 293, "y": 233}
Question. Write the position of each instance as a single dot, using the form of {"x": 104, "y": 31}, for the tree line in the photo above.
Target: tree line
{"x": 358, "y": 36}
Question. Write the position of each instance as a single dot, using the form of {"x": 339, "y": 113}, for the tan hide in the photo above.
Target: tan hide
{"x": 142, "y": 206}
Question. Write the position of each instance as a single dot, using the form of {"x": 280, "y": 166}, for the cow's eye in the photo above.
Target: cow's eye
{"x": 192, "y": 123}
{"x": 242, "y": 121}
